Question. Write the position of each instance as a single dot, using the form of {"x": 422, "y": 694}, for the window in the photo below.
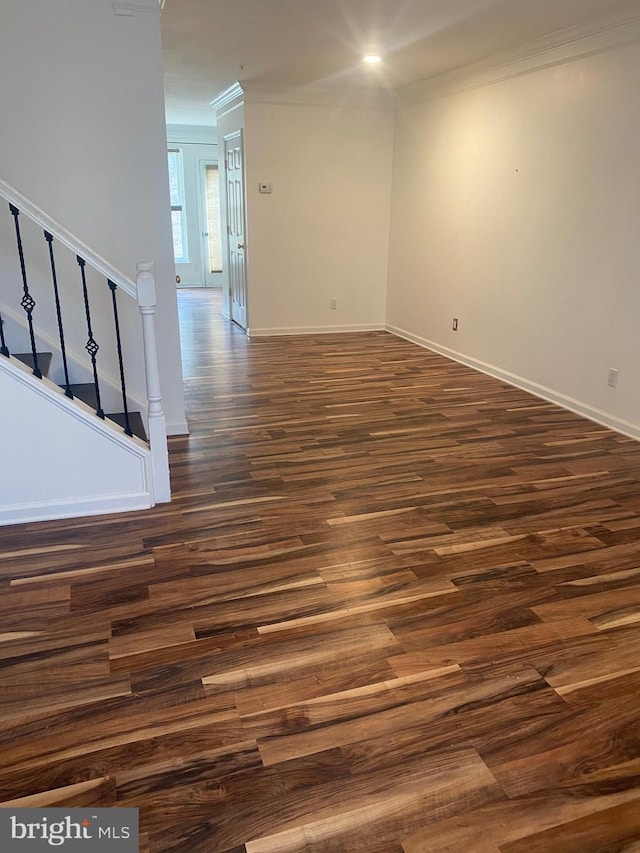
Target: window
{"x": 178, "y": 217}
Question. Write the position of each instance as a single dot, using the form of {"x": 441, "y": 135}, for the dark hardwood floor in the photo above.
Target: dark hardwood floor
{"x": 394, "y": 606}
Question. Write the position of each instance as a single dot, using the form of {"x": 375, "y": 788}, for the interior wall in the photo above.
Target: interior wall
{"x": 515, "y": 209}
{"x": 322, "y": 233}
{"x": 197, "y": 144}
{"x": 83, "y": 96}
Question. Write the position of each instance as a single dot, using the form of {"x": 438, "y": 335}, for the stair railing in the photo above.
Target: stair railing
{"x": 4, "y": 349}
{"x": 56, "y": 295}
{"x": 142, "y": 290}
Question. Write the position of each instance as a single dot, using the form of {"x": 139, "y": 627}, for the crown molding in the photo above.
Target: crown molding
{"x": 127, "y": 8}
{"x": 251, "y": 92}
{"x": 229, "y": 100}
{"x": 353, "y": 96}
{"x": 572, "y": 43}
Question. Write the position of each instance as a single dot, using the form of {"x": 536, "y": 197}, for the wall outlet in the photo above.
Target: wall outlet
{"x": 333, "y": 304}
{"x": 612, "y": 378}
{"x": 455, "y": 324}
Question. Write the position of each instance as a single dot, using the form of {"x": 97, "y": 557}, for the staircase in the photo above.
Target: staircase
{"x": 86, "y": 392}
{"x": 89, "y": 360}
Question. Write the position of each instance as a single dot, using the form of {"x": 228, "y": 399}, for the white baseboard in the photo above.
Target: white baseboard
{"x": 316, "y": 330}
{"x": 178, "y": 428}
{"x": 548, "y": 394}
{"x": 47, "y": 511}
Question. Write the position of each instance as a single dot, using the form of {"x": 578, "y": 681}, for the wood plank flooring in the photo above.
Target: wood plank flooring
{"x": 394, "y": 606}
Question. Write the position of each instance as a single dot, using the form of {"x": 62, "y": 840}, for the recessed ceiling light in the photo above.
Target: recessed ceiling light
{"x": 372, "y": 58}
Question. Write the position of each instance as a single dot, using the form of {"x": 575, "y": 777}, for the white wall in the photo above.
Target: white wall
{"x": 197, "y": 144}
{"x": 82, "y": 107}
{"x": 323, "y": 232}
{"x": 515, "y": 208}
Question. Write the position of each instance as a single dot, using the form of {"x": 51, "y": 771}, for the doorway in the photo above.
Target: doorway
{"x": 195, "y": 210}
{"x": 210, "y": 228}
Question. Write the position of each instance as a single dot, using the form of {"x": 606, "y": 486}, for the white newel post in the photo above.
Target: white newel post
{"x": 146, "y": 289}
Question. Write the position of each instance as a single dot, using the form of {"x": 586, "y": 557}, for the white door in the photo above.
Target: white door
{"x": 211, "y": 236}
{"x": 237, "y": 271}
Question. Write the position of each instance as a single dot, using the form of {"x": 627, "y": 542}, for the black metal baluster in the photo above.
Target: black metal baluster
{"x": 4, "y": 349}
{"x": 91, "y": 345}
{"x": 113, "y": 287}
{"x": 27, "y": 301}
{"x": 67, "y": 386}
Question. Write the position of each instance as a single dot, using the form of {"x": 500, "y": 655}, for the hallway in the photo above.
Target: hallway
{"x": 393, "y": 606}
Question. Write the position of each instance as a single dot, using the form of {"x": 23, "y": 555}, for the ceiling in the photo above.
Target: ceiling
{"x": 210, "y": 44}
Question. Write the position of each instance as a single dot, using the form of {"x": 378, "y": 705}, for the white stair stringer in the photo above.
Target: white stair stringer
{"x": 59, "y": 459}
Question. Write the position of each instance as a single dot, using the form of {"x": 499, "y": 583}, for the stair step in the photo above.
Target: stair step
{"x": 44, "y": 360}
{"x": 135, "y": 422}
{"x": 86, "y": 391}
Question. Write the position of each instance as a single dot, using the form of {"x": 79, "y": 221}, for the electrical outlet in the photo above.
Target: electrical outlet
{"x": 455, "y": 324}
{"x": 333, "y": 304}
{"x": 612, "y": 378}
